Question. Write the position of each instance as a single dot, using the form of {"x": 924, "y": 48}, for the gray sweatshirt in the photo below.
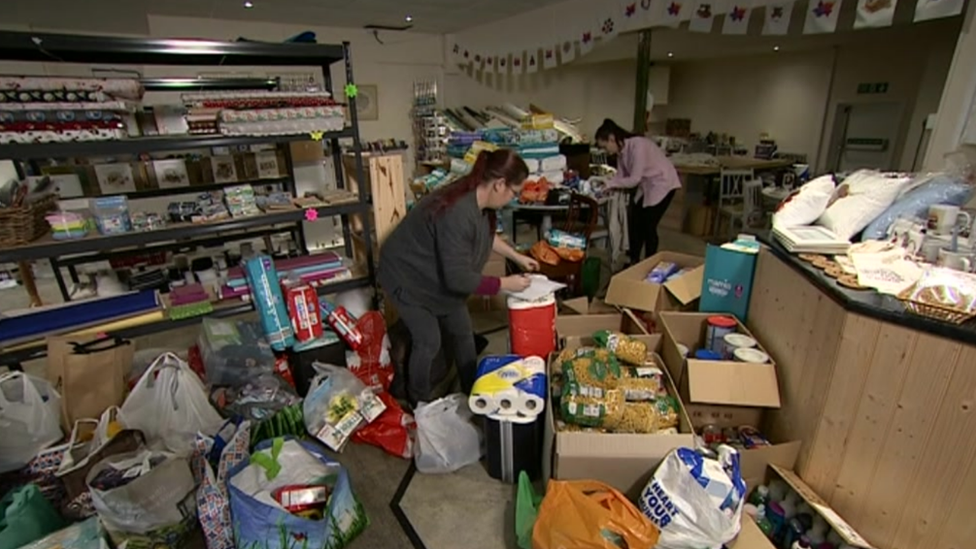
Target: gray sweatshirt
{"x": 436, "y": 263}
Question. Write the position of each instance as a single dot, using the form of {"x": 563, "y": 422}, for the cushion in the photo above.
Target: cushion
{"x": 862, "y": 197}
{"x": 804, "y": 205}
{"x": 938, "y": 189}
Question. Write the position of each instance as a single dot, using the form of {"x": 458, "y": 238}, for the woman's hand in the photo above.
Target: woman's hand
{"x": 515, "y": 283}
{"x": 526, "y": 263}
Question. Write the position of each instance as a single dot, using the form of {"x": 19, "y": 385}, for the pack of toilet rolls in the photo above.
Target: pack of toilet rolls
{"x": 509, "y": 386}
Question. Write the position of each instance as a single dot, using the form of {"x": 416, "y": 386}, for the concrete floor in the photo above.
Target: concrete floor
{"x": 465, "y": 509}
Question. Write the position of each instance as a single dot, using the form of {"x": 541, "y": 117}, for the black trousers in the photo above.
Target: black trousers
{"x": 643, "y": 226}
{"x": 426, "y": 329}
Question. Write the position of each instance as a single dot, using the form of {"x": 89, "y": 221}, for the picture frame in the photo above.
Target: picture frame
{"x": 115, "y": 178}
{"x": 368, "y": 102}
{"x": 171, "y": 174}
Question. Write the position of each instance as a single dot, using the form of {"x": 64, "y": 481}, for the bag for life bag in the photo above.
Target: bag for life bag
{"x": 696, "y": 501}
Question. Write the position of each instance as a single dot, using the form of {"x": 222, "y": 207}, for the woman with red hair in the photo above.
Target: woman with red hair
{"x": 432, "y": 261}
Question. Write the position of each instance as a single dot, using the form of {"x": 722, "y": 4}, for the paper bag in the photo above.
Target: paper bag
{"x": 89, "y": 373}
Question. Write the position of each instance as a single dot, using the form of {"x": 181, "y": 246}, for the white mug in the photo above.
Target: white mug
{"x": 957, "y": 261}
{"x": 944, "y": 217}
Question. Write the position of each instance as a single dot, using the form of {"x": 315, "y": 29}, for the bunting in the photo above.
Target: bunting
{"x": 935, "y": 9}
{"x": 703, "y": 16}
{"x": 737, "y": 17}
{"x": 875, "y": 13}
{"x": 821, "y": 16}
{"x": 549, "y": 59}
{"x": 777, "y": 18}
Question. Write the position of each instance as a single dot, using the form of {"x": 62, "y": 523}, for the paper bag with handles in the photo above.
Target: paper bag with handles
{"x": 89, "y": 372}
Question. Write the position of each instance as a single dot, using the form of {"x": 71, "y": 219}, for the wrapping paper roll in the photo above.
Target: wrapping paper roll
{"x": 509, "y": 386}
{"x": 552, "y": 163}
{"x": 515, "y": 112}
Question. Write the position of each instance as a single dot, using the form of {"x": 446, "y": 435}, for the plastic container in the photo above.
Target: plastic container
{"x": 111, "y": 214}
{"x": 735, "y": 341}
{"x": 716, "y": 329}
{"x": 707, "y": 354}
{"x": 750, "y": 355}
{"x": 532, "y": 326}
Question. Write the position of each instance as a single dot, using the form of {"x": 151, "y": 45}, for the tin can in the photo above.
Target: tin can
{"x": 717, "y": 328}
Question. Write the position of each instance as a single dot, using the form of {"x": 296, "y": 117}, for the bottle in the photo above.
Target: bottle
{"x": 802, "y": 507}
{"x": 789, "y": 508}
{"x": 793, "y": 532}
{"x": 750, "y": 510}
{"x": 760, "y": 496}
{"x": 801, "y": 543}
{"x": 774, "y": 512}
{"x": 816, "y": 537}
{"x": 819, "y": 529}
{"x": 343, "y": 324}
{"x": 762, "y": 522}
{"x": 777, "y": 490}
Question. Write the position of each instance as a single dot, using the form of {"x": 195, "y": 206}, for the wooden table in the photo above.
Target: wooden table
{"x": 733, "y": 163}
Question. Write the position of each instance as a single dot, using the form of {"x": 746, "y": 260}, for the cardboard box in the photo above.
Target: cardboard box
{"x": 727, "y": 283}
{"x": 583, "y": 306}
{"x": 624, "y": 461}
{"x": 585, "y": 325}
{"x": 629, "y": 289}
{"x": 754, "y": 462}
{"x": 834, "y": 520}
{"x": 750, "y": 537}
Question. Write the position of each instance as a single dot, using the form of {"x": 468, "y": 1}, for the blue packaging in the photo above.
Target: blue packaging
{"x": 269, "y": 302}
{"x": 727, "y": 282}
{"x": 509, "y": 385}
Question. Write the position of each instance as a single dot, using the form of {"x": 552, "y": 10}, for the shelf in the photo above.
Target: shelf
{"x": 31, "y": 351}
{"x": 195, "y": 189}
{"x": 48, "y": 247}
{"x": 69, "y": 48}
{"x": 140, "y": 145}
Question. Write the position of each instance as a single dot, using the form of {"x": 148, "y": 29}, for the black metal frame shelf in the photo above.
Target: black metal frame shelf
{"x": 61, "y": 48}
{"x": 197, "y": 189}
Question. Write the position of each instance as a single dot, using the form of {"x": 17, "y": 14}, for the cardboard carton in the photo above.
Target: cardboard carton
{"x": 750, "y": 537}
{"x": 583, "y": 306}
{"x": 585, "y": 325}
{"x": 819, "y": 506}
{"x": 624, "y": 461}
{"x": 629, "y": 289}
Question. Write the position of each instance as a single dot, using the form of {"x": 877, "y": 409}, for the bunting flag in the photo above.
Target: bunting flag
{"x": 567, "y": 52}
{"x": 502, "y": 64}
{"x": 490, "y": 64}
{"x": 532, "y": 61}
{"x": 934, "y": 9}
{"x": 586, "y": 39}
{"x": 821, "y": 16}
{"x": 518, "y": 67}
{"x": 549, "y": 58}
{"x": 875, "y": 13}
{"x": 703, "y": 16}
{"x": 669, "y": 13}
{"x": 737, "y": 17}
{"x": 609, "y": 27}
{"x": 777, "y": 18}
{"x": 631, "y": 18}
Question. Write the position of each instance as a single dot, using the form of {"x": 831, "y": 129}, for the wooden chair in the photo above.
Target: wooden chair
{"x": 581, "y": 218}
{"x": 748, "y": 213}
{"x": 731, "y": 194}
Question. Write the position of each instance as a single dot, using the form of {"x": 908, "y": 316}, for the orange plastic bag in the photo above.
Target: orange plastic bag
{"x": 586, "y": 514}
{"x": 573, "y": 255}
{"x": 544, "y": 253}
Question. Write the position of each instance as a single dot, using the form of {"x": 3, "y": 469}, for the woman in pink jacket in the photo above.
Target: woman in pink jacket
{"x": 643, "y": 166}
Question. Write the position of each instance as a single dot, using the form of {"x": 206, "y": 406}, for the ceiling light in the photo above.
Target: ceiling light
{"x": 670, "y": 54}
{"x": 775, "y": 48}
{"x": 248, "y": 5}
{"x": 408, "y": 18}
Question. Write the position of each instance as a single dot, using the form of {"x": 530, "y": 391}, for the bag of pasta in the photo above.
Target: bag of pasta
{"x": 648, "y": 417}
{"x": 591, "y": 352}
{"x": 667, "y": 413}
{"x": 594, "y": 369}
{"x": 622, "y": 346}
{"x": 642, "y": 383}
{"x": 581, "y": 406}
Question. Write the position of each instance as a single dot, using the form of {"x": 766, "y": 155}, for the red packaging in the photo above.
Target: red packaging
{"x": 345, "y": 326}
{"x": 393, "y": 430}
{"x": 371, "y": 361}
{"x": 303, "y": 308}
{"x": 284, "y": 370}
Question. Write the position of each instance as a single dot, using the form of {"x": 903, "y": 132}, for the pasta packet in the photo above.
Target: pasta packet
{"x": 642, "y": 383}
{"x": 589, "y": 411}
{"x": 622, "y": 346}
{"x": 591, "y": 371}
{"x": 667, "y": 413}
{"x": 592, "y": 352}
{"x": 639, "y": 417}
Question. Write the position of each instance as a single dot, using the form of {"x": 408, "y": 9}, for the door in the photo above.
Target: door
{"x": 864, "y": 136}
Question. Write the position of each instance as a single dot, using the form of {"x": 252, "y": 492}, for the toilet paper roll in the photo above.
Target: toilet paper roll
{"x": 535, "y": 166}
{"x": 557, "y": 162}
{"x": 509, "y": 385}
{"x": 530, "y": 405}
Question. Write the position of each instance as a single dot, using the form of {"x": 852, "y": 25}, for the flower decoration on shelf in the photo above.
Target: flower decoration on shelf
{"x": 316, "y": 136}
{"x": 311, "y": 214}
{"x": 778, "y": 13}
{"x": 704, "y": 11}
{"x": 352, "y": 90}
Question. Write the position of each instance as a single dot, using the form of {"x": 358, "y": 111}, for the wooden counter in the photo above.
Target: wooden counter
{"x": 884, "y": 406}
{"x": 733, "y": 163}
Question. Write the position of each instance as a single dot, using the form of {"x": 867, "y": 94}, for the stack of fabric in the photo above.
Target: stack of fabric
{"x": 189, "y": 301}
{"x": 263, "y": 112}
{"x": 314, "y": 270}
{"x": 51, "y": 109}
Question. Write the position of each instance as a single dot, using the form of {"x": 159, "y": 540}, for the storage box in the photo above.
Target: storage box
{"x": 585, "y": 325}
{"x": 727, "y": 283}
{"x": 819, "y": 506}
{"x": 750, "y": 536}
{"x": 583, "y": 306}
{"x": 624, "y": 461}
{"x": 629, "y": 289}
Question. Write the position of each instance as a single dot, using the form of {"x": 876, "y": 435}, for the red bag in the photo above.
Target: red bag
{"x": 393, "y": 431}
{"x": 371, "y": 362}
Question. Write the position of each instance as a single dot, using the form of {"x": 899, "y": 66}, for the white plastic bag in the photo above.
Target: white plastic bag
{"x": 337, "y": 404}
{"x": 30, "y": 411}
{"x": 695, "y": 501}
{"x": 446, "y": 439}
{"x": 170, "y": 406}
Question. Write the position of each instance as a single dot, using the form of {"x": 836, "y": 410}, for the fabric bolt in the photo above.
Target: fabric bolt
{"x": 644, "y": 166}
{"x": 643, "y": 223}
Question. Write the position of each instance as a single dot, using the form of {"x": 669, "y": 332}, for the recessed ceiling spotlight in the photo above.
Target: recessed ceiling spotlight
{"x": 775, "y": 48}
{"x": 670, "y": 54}
{"x": 248, "y": 5}
{"x": 408, "y": 18}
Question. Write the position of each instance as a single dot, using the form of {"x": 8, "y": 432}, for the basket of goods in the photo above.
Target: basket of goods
{"x": 22, "y": 217}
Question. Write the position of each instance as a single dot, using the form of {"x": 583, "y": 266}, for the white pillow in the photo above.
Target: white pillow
{"x": 863, "y": 196}
{"x": 804, "y": 205}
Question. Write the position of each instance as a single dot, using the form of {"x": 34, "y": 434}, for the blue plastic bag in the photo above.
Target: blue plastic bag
{"x": 259, "y": 523}
{"x": 940, "y": 189}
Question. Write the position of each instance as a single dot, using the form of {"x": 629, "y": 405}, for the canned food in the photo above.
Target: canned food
{"x": 717, "y": 328}
{"x": 751, "y": 355}
{"x": 736, "y": 341}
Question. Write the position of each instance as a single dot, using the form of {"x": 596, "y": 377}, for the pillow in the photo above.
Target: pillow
{"x": 940, "y": 189}
{"x": 862, "y": 197}
{"x": 804, "y": 205}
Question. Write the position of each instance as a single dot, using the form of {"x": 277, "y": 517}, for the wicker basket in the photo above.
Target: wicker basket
{"x": 24, "y": 224}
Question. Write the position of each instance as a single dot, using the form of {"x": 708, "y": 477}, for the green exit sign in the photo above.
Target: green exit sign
{"x": 872, "y": 87}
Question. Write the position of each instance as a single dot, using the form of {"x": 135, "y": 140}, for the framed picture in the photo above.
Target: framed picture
{"x": 171, "y": 173}
{"x": 224, "y": 169}
{"x": 267, "y": 162}
{"x": 368, "y": 102}
{"x": 115, "y": 178}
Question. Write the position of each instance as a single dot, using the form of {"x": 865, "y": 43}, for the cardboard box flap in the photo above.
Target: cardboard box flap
{"x": 845, "y": 530}
{"x": 750, "y": 536}
{"x": 732, "y": 383}
{"x": 585, "y": 325}
{"x": 687, "y": 287}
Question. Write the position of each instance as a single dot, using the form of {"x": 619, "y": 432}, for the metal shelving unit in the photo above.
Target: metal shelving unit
{"x": 48, "y": 48}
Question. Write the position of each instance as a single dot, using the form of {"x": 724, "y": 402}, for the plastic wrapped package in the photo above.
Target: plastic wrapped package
{"x": 258, "y": 399}
{"x": 591, "y": 371}
{"x": 337, "y": 404}
{"x": 946, "y": 288}
{"x": 642, "y": 383}
{"x": 234, "y": 352}
{"x": 592, "y": 407}
{"x": 622, "y": 346}
{"x": 938, "y": 189}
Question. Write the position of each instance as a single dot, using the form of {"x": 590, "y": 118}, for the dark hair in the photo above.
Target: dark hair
{"x": 490, "y": 165}
{"x": 610, "y": 129}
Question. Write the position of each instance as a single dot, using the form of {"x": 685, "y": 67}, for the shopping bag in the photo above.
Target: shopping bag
{"x": 88, "y": 534}
{"x": 170, "y": 406}
{"x": 393, "y": 431}
{"x": 694, "y": 500}
{"x": 29, "y": 419}
{"x": 25, "y": 516}
{"x": 157, "y": 509}
{"x": 89, "y": 373}
{"x": 230, "y": 449}
{"x": 586, "y": 514}
{"x": 371, "y": 361}
{"x": 261, "y": 522}
{"x": 526, "y": 511}
{"x": 41, "y": 471}
{"x": 446, "y": 438}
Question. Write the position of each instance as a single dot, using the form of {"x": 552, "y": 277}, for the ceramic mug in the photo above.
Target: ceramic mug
{"x": 944, "y": 217}
{"x": 957, "y": 261}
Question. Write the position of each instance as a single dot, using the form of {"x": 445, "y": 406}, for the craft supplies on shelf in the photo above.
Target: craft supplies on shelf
{"x": 111, "y": 214}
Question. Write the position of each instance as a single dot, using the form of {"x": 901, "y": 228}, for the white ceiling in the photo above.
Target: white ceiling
{"x": 434, "y": 16}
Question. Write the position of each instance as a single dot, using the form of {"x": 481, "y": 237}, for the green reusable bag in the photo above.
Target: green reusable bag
{"x": 526, "y": 511}
{"x": 26, "y": 517}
